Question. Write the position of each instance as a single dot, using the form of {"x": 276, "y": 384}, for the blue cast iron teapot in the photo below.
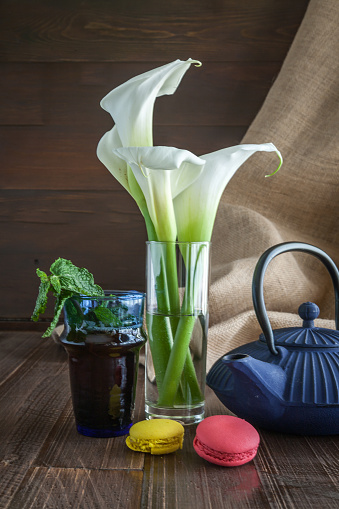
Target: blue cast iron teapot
{"x": 288, "y": 380}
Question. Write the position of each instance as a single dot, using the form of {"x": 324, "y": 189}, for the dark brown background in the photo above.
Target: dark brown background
{"x": 58, "y": 59}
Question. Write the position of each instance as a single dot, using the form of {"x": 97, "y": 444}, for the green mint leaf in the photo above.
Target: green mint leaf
{"x": 65, "y": 281}
{"x": 42, "y": 275}
{"x": 75, "y": 279}
{"x": 60, "y": 301}
{"x": 105, "y": 316}
{"x": 74, "y": 312}
{"x": 99, "y": 290}
{"x": 61, "y": 266}
{"x": 55, "y": 283}
{"x": 41, "y": 302}
{"x": 69, "y": 283}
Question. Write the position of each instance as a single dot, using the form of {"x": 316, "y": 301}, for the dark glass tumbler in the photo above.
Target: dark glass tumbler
{"x": 103, "y": 337}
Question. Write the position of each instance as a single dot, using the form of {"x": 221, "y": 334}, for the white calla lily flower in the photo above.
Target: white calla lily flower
{"x": 162, "y": 173}
{"x": 178, "y": 194}
{"x": 196, "y": 207}
{"x": 131, "y": 104}
{"x": 131, "y": 107}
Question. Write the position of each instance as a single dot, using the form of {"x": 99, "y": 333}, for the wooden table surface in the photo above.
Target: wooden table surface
{"x": 45, "y": 463}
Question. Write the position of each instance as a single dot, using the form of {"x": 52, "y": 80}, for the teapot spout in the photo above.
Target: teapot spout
{"x": 259, "y": 383}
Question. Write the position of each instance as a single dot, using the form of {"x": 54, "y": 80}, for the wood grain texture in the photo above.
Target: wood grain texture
{"x": 45, "y": 464}
{"x": 36, "y": 414}
{"x": 68, "y": 95}
{"x": 24, "y": 427}
{"x": 57, "y": 61}
{"x": 67, "y": 161}
{"x": 51, "y": 488}
{"x": 147, "y": 31}
{"x": 303, "y": 475}
{"x": 102, "y": 231}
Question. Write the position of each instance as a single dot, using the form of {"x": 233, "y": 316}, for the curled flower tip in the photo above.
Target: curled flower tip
{"x": 196, "y": 63}
{"x": 280, "y": 164}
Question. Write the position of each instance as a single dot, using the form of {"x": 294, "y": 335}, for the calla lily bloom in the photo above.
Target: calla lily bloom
{"x": 178, "y": 194}
{"x": 162, "y": 173}
{"x": 131, "y": 104}
{"x": 196, "y": 206}
{"x": 131, "y": 107}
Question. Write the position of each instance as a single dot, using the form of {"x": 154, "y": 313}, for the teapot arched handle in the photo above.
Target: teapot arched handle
{"x": 258, "y": 283}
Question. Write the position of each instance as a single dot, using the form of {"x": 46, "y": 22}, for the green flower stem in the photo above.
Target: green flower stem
{"x": 177, "y": 360}
{"x": 160, "y": 341}
{"x": 167, "y": 285}
{"x": 189, "y": 379}
{"x": 163, "y": 327}
{"x": 180, "y": 365}
{"x": 148, "y": 221}
{"x": 170, "y": 269}
{"x": 160, "y": 326}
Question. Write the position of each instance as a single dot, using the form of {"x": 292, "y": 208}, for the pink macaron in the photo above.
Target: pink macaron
{"x": 226, "y": 440}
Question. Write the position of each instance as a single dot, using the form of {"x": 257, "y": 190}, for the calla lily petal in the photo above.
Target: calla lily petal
{"x": 131, "y": 107}
{"x": 114, "y": 164}
{"x": 196, "y": 207}
{"x": 161, "y": 172}
{"x": 187, "y": 165}
{"x": 121, "y": 171}
{"x": 131, "y": 104}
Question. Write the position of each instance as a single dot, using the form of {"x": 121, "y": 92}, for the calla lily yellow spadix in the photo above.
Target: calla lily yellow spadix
{"x": 177, "y": 192}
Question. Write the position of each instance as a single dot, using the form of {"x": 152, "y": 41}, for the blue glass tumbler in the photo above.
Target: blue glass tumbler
{"x": 103, "y": 337}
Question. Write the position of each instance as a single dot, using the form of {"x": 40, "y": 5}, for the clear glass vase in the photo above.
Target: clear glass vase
{"x": 177, "y": 279}
{"x": 103, "y": 337}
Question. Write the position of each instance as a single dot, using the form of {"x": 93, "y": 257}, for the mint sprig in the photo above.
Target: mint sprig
{"x": 107, "y": 317}
{"x": 65, "y": 281}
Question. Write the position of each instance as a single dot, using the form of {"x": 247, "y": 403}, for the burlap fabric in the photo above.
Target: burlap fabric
{"x": 300, "y": 203}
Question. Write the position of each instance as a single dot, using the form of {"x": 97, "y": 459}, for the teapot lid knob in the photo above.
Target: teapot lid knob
{"x": 308, "y": 312}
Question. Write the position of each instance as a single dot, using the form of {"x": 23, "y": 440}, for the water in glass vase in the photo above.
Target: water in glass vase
{"x": 182, "y": 396}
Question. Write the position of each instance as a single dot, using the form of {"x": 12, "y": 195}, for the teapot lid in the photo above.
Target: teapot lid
{"x": 308, "y": 335}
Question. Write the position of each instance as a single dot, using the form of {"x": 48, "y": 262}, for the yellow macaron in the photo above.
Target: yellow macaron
{"x": 156, "y": 436}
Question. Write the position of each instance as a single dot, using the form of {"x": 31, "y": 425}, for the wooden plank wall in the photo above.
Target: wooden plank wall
{"x": 57, "y": 60}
